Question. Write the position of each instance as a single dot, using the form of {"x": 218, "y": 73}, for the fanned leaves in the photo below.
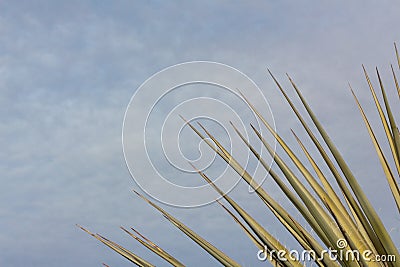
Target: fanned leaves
{"x": 385, "y": 165}
{"x": 213, "y": 251}
{"x": 345, "y": 215}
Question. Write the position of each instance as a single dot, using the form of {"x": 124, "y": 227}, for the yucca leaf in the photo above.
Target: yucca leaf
{"x": 389, "y": 175}
{"x": 385, "y": 124}
{"x": 320, "y": 215}
{"x": 155, "y": 249}
{"x": 332, "y": 233}
{"x": 362, "y": 261}
{"x": 358, "y": 215}
{"x": 330, "y": 204}
{"x": 393, "y": 126}
{"x": 120, "y": 250}
{"x": 328, "y": 225}
{"x": 304, "y": 238}
{"x": 374, "y": 219}
{"x": 207, "y": 246}
{"x": 362, "y": 230}
{"x": 353, "y": 205}
{"x": 262, "y": 194}
{"x": 262, "y": 234}
{"x": 352, "y": 233}
{"x": 347, "y": 237}
{"x": 327, "y": 186}
{"x": 249, "y": 234}
{"x": 396, "y": 83}
{"x": 146, "y": 239}
{"x": 275, "y": 207}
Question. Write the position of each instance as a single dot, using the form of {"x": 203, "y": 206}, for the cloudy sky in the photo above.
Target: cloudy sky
{"x": 68, "y": 70}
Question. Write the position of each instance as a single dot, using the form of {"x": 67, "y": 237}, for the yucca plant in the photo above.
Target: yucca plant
{"x": 344, "y": 220}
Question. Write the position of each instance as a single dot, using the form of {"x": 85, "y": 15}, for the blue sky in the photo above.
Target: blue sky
{"x": 69, "y": 68}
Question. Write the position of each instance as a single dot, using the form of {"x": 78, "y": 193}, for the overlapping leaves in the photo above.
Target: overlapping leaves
{"x": 346, "y": 214}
